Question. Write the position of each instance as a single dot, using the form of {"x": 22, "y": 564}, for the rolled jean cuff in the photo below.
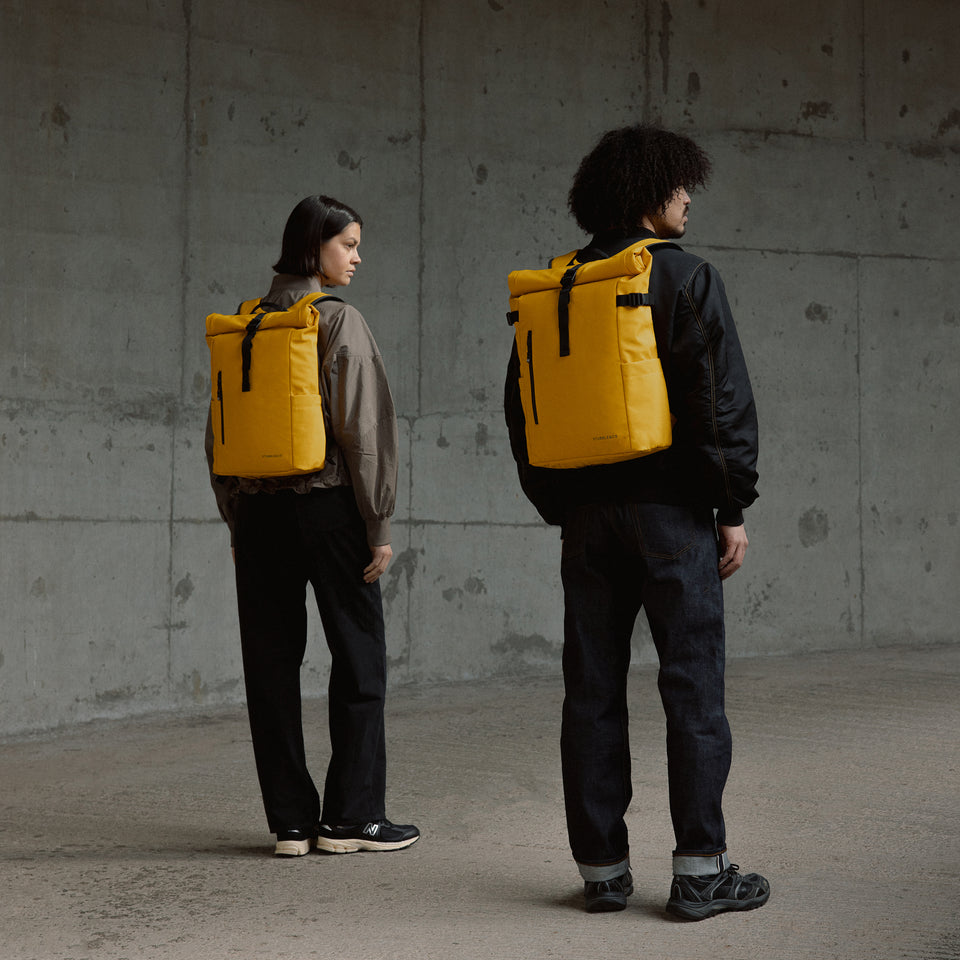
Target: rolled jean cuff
{"x": 596, "y": 872}
{"x": 696, "y": 866}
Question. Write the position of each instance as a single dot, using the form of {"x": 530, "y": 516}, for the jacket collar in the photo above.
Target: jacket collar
{"x": 607, "y": 244}
{"x": 288, "y": 288}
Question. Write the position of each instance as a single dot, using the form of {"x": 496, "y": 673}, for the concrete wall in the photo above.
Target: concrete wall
{"x": 151, "y": 153}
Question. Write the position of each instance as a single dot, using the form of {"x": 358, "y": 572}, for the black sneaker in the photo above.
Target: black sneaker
{"x": 696, "y": 898}
{"x": 605, "y": 896}
{"x": 294, "y": 843}
{"x": 377, "y": 835}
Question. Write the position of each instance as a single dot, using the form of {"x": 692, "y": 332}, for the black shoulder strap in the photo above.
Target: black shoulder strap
{"x": 268, "y": 306}
{"x": 664, "y": 243}
{"x": 578, "y": 256}
{"x": 327, "y": 296}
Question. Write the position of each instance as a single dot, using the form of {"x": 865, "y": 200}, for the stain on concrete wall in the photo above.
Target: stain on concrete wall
{"x": 814, "y": 527}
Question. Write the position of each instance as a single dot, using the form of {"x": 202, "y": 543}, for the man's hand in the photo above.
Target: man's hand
{"x": 379, "y": 559}
{"x": 733, "y": 546}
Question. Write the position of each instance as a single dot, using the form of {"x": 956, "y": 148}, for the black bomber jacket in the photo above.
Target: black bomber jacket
{"x": 712, "y": 460}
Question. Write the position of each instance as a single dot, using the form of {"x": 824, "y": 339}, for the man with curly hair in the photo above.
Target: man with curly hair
{"x": 660, "y": 532}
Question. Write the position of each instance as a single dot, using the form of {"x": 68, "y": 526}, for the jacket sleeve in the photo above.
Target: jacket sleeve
{"x": 538, "y": 484}
{"x": 363, "y": 421}
{"x": 224, "y": 488}
{"x": 717, "y": 412}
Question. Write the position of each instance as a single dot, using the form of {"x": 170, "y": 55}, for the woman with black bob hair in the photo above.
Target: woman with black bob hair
{"x": 331, "y": 529}
{"x": 313, "y": 221}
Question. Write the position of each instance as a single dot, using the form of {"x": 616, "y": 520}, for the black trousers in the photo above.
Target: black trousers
{"x": 283, "y": 541}
{"x": 618, "y": 557}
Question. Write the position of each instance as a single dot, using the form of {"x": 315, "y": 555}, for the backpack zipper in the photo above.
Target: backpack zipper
{"x": 220, "y": 401}
{"x": 533, "y": 391}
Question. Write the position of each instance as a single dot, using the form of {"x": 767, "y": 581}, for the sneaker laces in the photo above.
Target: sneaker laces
{"x": 613, "y": 885}
{"x": 726, "y": 885}
{"x": 619, "y": 884}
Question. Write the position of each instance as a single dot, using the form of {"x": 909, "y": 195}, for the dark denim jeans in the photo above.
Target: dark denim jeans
{"x": 617, "y": 558}
{"x": 283, "y": 541}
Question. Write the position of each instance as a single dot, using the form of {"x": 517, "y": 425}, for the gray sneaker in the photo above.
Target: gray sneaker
{"x": 605, "y": 896}
{"x": 696, "y": 898}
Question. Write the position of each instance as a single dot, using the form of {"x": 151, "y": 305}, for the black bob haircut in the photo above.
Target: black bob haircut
{"x": 633, "y": 172}
{"x": 313, "y": 221}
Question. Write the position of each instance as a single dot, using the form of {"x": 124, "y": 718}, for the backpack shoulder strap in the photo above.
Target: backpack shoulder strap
{"x": 325, "y": 296}
{"x": 660, "y": 244}
{"x": 266, "y": 306}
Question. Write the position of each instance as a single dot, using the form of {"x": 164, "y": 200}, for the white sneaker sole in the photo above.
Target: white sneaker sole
{"x": 329, "y": 845}
{"x": 292, "y": 848}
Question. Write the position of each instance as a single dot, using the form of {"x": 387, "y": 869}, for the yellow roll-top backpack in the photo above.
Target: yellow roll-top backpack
{"x": 591, "y": 384}
{"x": 265, "y": 400}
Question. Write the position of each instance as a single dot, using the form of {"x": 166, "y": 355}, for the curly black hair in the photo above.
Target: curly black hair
{"x": 632, "y": 172}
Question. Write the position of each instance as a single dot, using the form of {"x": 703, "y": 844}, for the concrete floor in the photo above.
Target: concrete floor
{"x": 145, "y": 838}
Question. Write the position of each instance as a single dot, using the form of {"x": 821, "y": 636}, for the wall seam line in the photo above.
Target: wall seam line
{"x": 860, "y": 391}
{"x": 421, "y": 213}
{"x": 184, "y": 326}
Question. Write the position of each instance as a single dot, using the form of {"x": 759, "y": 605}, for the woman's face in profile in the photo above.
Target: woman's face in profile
{"x": 339, "y": 257}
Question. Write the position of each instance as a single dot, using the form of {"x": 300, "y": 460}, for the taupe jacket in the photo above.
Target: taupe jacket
{"x": 361, "y": 424}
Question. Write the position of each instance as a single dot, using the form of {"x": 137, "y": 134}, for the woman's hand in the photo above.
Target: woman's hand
{"x": 379, "y": 559}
